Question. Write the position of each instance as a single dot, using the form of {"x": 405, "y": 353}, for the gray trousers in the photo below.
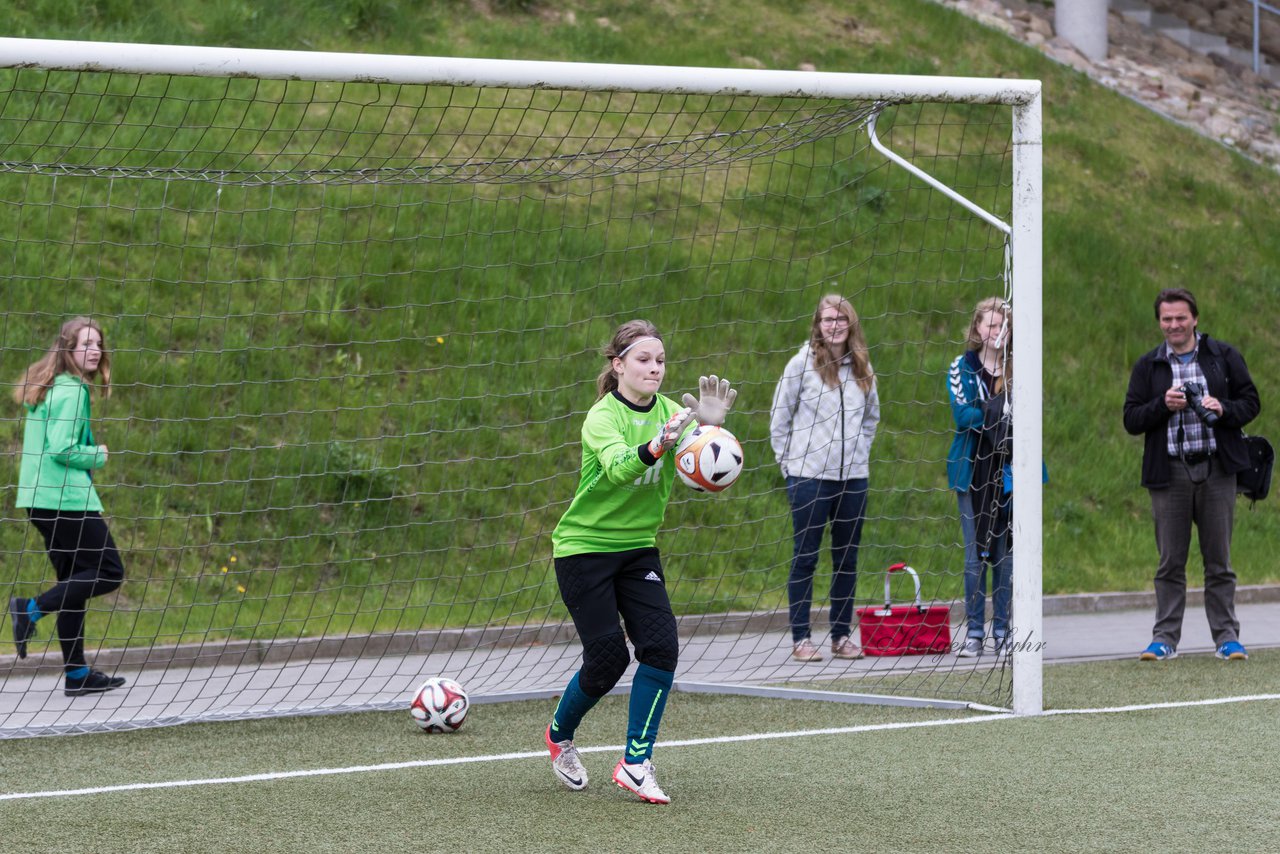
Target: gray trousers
{"x": 1210, "y": 504}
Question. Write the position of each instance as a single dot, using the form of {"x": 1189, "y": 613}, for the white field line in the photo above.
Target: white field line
{"x": 462, "y": 760}
{"x": 541, "y": 754}
{"x": 1217, "y": 701}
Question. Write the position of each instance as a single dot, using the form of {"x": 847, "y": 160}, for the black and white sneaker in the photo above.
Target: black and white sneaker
{"x": 95, "y": 683}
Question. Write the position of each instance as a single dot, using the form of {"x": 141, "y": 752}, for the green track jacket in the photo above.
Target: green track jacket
{"x": 58, "y": 451}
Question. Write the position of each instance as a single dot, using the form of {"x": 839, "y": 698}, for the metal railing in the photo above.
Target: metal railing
{"x": 1258, "y": 8}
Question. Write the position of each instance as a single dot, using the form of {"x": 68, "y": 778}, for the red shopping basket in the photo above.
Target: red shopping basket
{"x": 904, "y": 629}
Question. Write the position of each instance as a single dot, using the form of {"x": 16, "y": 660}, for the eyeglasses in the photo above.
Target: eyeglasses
{"x": 834, "y": 321}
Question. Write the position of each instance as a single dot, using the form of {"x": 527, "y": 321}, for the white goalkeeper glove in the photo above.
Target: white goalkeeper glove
{"x": 669, "y": 433}
{"x": 715, "y": 399}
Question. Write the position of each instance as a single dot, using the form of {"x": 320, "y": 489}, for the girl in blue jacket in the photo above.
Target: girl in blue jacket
{"x": 55, "y": 486}
{"x": 977, "y": 379}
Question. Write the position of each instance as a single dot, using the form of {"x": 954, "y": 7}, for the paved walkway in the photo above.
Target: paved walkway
{"x": 721, "y": 651}
{"x": 1123, "y": 634}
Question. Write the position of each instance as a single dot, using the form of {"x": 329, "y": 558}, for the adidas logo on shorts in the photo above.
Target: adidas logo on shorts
{"x": 652, "y": 576}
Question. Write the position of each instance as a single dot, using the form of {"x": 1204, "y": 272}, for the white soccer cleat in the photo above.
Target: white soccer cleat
{"x": 566, "y": 762}
{"x": 641, "y": 780}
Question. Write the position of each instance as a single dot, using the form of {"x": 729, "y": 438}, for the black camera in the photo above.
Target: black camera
{"x": 1194, "y": 392}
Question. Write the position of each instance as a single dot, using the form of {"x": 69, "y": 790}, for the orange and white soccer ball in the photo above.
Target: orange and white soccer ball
{"x": 709, "y": 459}
{"x": 439, "y": 705}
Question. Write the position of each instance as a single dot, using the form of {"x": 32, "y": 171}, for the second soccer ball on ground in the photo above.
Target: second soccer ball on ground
{"x": 439, "y": 705}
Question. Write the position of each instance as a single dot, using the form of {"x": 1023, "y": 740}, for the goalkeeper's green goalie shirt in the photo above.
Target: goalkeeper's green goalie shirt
{"x": 620, "y": 501}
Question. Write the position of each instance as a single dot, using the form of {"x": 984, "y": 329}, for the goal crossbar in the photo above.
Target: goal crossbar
{"x": 505, "y": 73}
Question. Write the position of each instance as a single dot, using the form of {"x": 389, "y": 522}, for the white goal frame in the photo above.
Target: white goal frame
{"x": 1024, "y": 232}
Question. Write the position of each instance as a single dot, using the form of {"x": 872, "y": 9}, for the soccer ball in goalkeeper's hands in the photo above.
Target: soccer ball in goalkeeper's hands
{"x": 440, "y": 705}
{"x": 709, "y": 459}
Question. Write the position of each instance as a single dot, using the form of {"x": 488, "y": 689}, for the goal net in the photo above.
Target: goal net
{"x": 355, "y": 308}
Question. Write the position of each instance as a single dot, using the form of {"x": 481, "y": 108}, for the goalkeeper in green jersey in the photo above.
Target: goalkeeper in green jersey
{"x": 606, "y": 556}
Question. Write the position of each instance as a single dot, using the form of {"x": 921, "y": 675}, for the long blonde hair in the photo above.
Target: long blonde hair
{"x": 626, "y": 334}
{"x": 827, "y": 361}
{"x": 37, "y": 379}
{"x": 974, "y": 338}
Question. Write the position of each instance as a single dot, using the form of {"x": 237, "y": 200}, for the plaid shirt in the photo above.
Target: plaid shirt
{"x": 1196, "y": 437}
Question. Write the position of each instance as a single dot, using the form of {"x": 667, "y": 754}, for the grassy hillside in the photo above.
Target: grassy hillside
{"x": 1132, "y": 204}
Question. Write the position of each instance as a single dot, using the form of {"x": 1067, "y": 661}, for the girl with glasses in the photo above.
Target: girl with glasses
{"x": 825, "y": 412}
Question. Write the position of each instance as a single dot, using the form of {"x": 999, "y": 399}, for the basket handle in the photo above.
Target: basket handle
{"x": 901, "y": 567}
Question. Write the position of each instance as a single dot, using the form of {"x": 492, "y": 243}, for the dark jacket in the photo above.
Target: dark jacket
{"x": 1226, "y": 377}
{"x": 992, "y": 504}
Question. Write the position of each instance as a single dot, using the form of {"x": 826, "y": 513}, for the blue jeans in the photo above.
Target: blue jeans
{"x": 975, "y": 578}
{"x": 815, "y": 504}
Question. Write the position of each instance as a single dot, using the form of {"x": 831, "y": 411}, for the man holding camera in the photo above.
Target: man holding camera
{"x": 1189, "y": 397}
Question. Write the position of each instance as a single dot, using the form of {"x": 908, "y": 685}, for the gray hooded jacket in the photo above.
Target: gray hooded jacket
{"x": 822, "y": 432}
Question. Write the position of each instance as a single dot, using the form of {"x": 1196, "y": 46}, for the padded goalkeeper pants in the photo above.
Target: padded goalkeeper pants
{"x": 596, "y": 588}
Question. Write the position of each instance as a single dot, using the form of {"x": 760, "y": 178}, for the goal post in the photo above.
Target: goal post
{"x": 1028, "y": 407}
{"x": 356, "y": 304}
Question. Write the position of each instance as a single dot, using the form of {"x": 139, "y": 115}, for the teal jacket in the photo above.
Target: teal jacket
{"x": 58, "y": 451}
{"x": 965, "y": 391}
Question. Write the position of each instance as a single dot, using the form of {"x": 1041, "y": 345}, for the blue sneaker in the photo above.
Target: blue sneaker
{"x": 1158, "y": 652}
{"x": 1232, "y": 651}
{"x": 24, "y": 629}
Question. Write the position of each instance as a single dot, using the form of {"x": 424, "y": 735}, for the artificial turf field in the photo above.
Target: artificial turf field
{"x": 743, "y": 774}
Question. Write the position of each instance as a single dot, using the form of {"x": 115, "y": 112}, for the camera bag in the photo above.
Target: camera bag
{"x": 1255, "y": 481}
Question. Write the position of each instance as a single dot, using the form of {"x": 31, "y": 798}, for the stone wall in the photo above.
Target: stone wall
{"x": 1230, "y": 18}
{"x": 1224, "y": 101}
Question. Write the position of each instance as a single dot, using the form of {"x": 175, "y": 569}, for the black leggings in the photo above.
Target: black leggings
{"x": 596, "y": 588}
{"x": 87, "y": 564}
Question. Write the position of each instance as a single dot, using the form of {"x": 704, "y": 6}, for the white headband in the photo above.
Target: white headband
{"x": 634, "y": 343}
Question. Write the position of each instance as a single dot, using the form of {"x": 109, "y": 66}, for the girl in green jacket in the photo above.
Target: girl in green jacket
{"x": 55, "y": 486}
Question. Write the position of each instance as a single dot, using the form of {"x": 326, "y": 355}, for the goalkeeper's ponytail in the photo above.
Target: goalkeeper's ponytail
{"x": 626, "y": 335}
